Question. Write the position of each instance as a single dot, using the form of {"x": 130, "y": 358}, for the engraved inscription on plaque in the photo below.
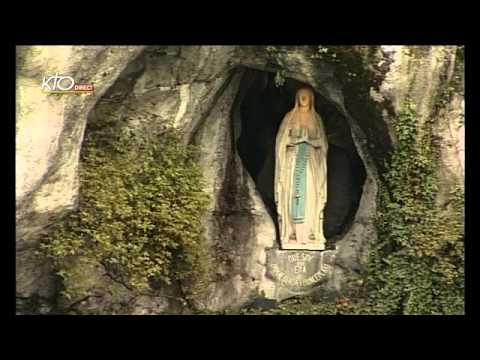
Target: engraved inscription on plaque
{"x": 299, "y": 271}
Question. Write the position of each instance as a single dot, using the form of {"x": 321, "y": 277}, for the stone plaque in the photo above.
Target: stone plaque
{"x": 297, "y": 272}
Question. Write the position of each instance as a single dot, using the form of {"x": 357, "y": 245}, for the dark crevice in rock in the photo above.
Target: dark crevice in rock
{"x": 234, "y": 203}
{"x": 116, "y": 96}
{"x": 216, "y": 96}
{"x": 262, "y": 108}
{"x": 368, "y": 114}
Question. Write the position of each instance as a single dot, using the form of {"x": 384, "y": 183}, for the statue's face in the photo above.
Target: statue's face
{"x": 304, "y": 97}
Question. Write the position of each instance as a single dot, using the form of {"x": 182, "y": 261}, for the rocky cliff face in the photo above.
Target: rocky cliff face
{"x": 49, "y": 133}
{"x": 212, "y": 93}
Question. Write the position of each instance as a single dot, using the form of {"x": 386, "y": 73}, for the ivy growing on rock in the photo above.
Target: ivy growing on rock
{"x": 417, "y": 265}
{"x": 140, "y": 211}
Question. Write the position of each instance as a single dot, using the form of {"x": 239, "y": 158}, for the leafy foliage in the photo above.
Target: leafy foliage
{"x": 417, "y": 266}
{"x": 279, "y": 78}
{"x": 140, "y": 211}
{"x": 295, "y": 306}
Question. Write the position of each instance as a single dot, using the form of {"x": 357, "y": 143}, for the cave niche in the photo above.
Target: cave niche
{"x": 261, "y": 105}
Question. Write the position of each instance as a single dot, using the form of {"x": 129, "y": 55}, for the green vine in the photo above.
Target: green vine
{"x": 417, "y": 265}
{"x": 139, "y": 214}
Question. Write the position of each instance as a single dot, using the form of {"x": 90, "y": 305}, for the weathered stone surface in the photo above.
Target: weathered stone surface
{"x": 48, "y": 140}
{"x": 238, "y": 225}
{"x": 424, "y": 74}
{"x": 196, "y": 88}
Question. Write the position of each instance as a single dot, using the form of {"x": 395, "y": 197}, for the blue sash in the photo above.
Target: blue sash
{"x": 300, "y": 184}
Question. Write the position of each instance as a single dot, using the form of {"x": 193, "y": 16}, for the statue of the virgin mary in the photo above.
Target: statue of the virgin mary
{"x": 301, "y": 175}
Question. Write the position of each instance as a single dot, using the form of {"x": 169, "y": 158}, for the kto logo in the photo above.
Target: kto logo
{"x": 58, "y": 84}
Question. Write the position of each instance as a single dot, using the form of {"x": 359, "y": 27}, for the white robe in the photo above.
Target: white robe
{"x": 309, "y": 234}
